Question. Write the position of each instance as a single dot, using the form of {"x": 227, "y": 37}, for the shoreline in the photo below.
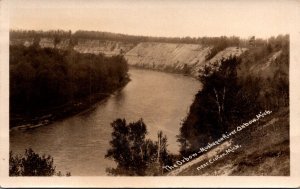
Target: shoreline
{"x": 169, "y": 71}
{"x": 64, "y": 111}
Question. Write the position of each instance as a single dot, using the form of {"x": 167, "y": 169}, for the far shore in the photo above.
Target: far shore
{"x": 78, "y": 107}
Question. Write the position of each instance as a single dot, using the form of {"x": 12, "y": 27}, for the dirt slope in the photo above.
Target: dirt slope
{"x": 108, "y": 48}
{"x": 175, "y": 57}
{"x": 264, "y": 150}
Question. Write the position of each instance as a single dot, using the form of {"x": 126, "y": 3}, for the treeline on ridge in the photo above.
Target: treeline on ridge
{"x": 99, "y": 35}
{"x": 41, "y": 79}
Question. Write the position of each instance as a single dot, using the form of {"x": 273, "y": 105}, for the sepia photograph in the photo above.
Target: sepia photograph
{"x": 147, "y": 89}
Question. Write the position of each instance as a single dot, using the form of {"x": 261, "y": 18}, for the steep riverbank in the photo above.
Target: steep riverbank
{"x": 231, "y": 96}
{"x": 264, "y": 150}
{"x": 186, "y": 59}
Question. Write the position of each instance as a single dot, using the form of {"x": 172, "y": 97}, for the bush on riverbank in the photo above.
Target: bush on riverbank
{"x": 32, "y": 164}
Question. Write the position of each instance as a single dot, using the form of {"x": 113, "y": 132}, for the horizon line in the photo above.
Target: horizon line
{"x": 141, "y": 35}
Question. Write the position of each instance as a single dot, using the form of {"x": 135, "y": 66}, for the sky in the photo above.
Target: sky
{"x": 167, "y": 18}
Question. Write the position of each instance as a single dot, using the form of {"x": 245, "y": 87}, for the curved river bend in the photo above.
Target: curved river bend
{"x": 78, "y": 144}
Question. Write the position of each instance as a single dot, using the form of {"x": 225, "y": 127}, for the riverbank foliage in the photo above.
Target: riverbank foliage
{"x": 45, "y": 78}
{"x": 237, "y": 90}
{"x": 134, "y": 154}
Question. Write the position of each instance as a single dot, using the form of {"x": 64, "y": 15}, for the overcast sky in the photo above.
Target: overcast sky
{"x": 158, "y": 18}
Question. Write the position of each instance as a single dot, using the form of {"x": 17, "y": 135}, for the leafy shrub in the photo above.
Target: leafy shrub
{"x": 31, "y": 164}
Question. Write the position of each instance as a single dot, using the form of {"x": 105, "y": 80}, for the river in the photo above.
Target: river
{"x": 78, "y": 143}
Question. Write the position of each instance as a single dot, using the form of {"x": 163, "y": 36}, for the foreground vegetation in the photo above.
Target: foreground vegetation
{"x": 134, "y": 154}
{"x": 45, "y": 81}
{"x": 32, "y": 164}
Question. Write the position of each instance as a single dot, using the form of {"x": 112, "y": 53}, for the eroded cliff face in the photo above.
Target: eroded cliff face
{"x": 170, "y": 57}
{"x": 216, "y": 60}
{"x": 182, "y": 58}
{"x": 268, "y": 67}
{"x": 109, "y": 48}
{"x": 167, "y": 56}
{"x": 24, "y": 41}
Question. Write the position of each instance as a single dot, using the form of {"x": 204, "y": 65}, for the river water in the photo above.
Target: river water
{"x": 78, "y": 143}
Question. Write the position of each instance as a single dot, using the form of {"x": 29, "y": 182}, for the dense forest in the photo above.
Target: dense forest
{"x": 43, "y": 79}
{"x": 237, "y": 90}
